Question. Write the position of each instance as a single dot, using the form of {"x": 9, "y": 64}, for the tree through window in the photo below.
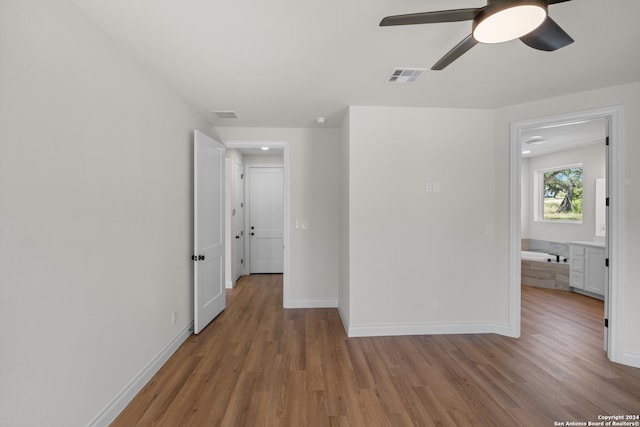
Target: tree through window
{"x": 562, "y": 194}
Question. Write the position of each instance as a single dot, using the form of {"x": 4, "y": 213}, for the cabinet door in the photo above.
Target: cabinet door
{"x": 576, "y": 269}
{"x": 595, "y": 270}
{"x": 576, "y": 279}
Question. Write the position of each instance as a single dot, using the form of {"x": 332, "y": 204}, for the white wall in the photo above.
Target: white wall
{"x": 95, "y": 216}
{"x": 344, "y": 301}
{"x": 593, "y": 159}
{"x": 271, "y": 160}
{"x": 409, "y": 247}
{"x": 629, "y": 96}
{"x": 314, "y": 187}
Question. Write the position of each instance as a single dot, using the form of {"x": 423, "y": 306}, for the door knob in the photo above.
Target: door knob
{"x": 237, "y": 237}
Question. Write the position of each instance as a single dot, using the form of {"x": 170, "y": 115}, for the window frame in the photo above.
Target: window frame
{"x": 538, "y": 192}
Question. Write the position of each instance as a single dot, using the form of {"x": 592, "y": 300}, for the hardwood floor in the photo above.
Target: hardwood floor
{"x": 260, "y": 365}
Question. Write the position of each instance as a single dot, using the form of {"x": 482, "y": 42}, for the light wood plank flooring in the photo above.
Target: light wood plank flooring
{"x": 260, "y": 365}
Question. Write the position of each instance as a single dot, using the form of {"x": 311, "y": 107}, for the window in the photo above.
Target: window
{"x": 560, "y": 194}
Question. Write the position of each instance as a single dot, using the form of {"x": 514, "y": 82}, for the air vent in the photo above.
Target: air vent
{"x": 405, "y": 75}
{"x": 226, "y": 114}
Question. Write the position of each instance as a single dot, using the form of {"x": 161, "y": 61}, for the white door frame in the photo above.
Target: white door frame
{"x": 284, "y": 145}
{"x": 615, "y": 224}
{"x": 238, "y": 183}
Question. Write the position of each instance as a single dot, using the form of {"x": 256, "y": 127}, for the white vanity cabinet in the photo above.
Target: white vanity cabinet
{"x": 587, "y": 269}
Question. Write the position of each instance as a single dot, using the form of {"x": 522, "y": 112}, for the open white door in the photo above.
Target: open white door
{"x": 208, "y": 235}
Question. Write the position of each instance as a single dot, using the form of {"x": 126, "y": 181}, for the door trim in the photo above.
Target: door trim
{"x": 284, "y": 145}
{"x": 237, "y": 271}
{"x": 615, "y": 226}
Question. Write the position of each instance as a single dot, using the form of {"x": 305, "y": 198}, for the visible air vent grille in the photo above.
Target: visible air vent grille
{"x": 405, "y": 75}
{"x": 226, "y": 114}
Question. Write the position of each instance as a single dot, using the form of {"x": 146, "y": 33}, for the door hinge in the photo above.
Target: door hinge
{"x": 607, "y": 140}
{"x": 606, "y": 201}
{"x": 606, "y": 262}
{"x": 606, "y": 323}
{"x": 242, "y": 175}
{"x": 242, "y": 205}
{"x": 241, "y": 261}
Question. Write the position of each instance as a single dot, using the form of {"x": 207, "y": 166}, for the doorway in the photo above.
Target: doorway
{"x": 260, "y": 149}
{"x": 614, "y": 248}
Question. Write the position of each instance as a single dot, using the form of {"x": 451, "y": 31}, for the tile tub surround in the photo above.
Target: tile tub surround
{"x": 543, "y": 274}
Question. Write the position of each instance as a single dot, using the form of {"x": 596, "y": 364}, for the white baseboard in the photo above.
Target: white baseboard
{"x": 311, "y": 303}
{"x": 343, "y": 318}
{"x": 117, "y": 405}
{"x": 427, "y": 329}
{"x": 631, "y": 359}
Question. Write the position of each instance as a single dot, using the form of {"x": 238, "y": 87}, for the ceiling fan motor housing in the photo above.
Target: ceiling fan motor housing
{"x": 494, "y": 7}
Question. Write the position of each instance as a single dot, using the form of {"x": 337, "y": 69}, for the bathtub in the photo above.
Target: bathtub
{"x": 542, "y": 270}
{"x": 537, "y": 256}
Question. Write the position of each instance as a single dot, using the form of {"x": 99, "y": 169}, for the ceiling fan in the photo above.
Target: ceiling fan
{"x": 498, "y": 21}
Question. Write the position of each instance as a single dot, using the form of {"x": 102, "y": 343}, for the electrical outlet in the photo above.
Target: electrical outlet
{"x": 488, "y": 229}
{"x": 174, "y": 317}
{"x": 436, "y": 187}
{"x": 429, "y": 187}
{"x": 436, "y": 304}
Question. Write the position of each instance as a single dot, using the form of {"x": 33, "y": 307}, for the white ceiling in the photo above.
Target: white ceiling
{"x": 282, "y": 63}
{"x": 275, "y": 152}
{"x": 562, "y": 136}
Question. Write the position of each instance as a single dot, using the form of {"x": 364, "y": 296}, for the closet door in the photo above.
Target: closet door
{"x": 266, "y": 219}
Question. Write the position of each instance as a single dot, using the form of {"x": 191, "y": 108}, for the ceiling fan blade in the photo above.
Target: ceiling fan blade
{"x": 557, "y": 1}
{"x": 455, "y": 53}
{"x": 454, "y": 15}
{"x": 548, "y": 37}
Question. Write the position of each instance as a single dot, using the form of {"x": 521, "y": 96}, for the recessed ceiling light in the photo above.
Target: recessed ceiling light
{"x": 526, "y": 152}
{"x": 321, "y": 120}
{"x": 264, "y": 148}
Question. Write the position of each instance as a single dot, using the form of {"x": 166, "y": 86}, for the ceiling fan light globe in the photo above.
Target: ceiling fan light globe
{"x": 497, "y": 26}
